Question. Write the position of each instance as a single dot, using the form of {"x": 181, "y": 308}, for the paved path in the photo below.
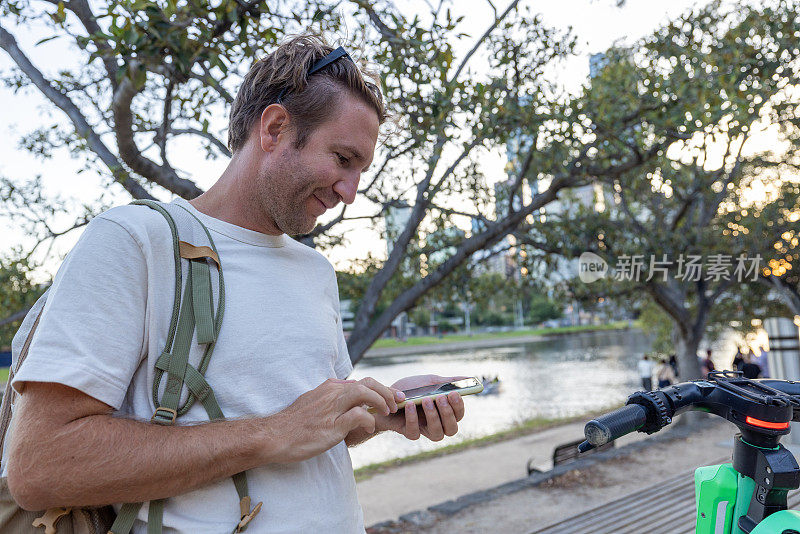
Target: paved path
{"x": 532, "y": 503}
{"x": 407, "y": 488}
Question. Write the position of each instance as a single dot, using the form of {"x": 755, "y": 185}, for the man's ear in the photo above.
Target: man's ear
{"x": 273, "y": 127}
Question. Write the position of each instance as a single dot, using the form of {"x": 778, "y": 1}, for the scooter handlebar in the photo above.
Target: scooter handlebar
{"x": 615, "y": 424}
{"x": 725, "y": 394}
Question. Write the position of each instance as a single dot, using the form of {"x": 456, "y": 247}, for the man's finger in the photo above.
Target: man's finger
{"x": 457, "y": 404}
{"x": 412, "y": 422}
{"x": 358, "y": 394}
{"x": 386, "y": 392}
{"x": 356, "y": 417}
{"x": 433, "y": 424}
{"x": 446, "y": 415}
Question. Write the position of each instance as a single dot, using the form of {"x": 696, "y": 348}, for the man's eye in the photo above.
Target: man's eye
{"x": 342, "y": 159}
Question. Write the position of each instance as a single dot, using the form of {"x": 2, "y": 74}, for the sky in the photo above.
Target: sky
{"x": 598, "y": 24}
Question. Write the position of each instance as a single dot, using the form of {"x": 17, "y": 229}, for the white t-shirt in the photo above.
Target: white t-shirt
{"x": 645, "y": 368}
{"x": 106, "y": 321}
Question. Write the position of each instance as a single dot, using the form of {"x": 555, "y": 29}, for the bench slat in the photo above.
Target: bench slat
{"x": 597, "y": 515}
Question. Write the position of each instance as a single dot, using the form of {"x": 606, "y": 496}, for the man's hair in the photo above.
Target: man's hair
{"x": 310, "y": 100}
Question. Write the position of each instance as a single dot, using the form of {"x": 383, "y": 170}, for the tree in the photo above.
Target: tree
{"x": 17, "y": 292}
{"x": 782, "y": 271}
{"x": 154, "y": 71}
{"x": 730, "y": 74}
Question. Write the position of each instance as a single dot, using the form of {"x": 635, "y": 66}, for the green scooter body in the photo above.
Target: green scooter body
{"x": 722, "y": 495}
{"x": 783, "y": 522}
{"x": 715, "y": 490}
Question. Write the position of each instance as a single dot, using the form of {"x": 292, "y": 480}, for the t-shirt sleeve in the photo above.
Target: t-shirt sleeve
{"x": 343, "y": 364}
{"x": 92, "y": 329}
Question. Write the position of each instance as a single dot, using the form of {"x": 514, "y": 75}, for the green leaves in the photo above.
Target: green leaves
{"x": 61, "y": 14}
{"x": 17, "y": 292}
{"x": 138, "y": 75}
{"x": 46, "y": 39}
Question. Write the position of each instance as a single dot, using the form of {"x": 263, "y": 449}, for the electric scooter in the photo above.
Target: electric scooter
{"x": 748, "y": 495}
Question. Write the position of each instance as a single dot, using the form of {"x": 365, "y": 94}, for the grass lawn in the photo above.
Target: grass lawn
{"x": 3, "y": 375}
{"x": 432, "y": 340}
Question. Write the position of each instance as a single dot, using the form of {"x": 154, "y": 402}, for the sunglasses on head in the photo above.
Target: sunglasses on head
{"x": 318, "y": 66}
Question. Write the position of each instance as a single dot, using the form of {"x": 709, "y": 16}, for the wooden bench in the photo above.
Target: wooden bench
{"x": 568, "y": 452}
{"x": 666, "y": 508}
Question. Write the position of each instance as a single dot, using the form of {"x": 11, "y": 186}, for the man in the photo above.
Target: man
{"x": 645, "y": 368}
{"x": 706, "y": 364}
{"x": 750, "y": 369}
{"x": 738, "y": 359}
{"x": 762, "y": 360}
{"x": 300, "y": 138}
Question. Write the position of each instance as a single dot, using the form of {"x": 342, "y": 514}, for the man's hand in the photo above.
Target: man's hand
{"x": 324, "y": 416}
{"x": 439, "y": 418}
{"x": 68, "y": 449}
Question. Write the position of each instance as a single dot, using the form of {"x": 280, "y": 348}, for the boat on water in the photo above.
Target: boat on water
{"x": 491, "y": 385}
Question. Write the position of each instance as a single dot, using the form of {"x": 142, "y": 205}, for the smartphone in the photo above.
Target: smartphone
{"x": 465, "y": 386}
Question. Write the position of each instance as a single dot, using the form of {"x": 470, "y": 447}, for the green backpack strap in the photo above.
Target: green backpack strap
{"x": 192, "y": 310}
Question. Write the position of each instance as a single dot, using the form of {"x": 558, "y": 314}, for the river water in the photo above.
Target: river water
{"x": 556, "y": 377}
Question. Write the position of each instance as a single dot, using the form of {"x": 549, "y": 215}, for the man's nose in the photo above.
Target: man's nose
{"x": 347, "y": 187}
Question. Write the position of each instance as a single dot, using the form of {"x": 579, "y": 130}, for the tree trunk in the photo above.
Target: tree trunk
{"x": 686, "y": 344}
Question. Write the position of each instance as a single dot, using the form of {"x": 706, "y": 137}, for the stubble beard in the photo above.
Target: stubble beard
{"x": 283, "y": 202}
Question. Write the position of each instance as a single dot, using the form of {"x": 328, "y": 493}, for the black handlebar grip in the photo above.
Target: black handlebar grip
{"x": 612, "y": 425}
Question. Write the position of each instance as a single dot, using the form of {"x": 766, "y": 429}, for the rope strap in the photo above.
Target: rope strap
{"x": 193, "y": 312}
{"x": 125, "y": 518}
{"x": 155, "y": 517}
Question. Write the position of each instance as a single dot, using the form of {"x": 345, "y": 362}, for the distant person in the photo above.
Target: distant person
{"x": 645, "y": 367}
{"x": 762, "y": 360}
{"x": 665, "y": 374}
{"x": 706, "y": 364}
{"x": 749, "y": 356}
{"x": 673, "y": 362}
{"x": 738, "y": 359}
{"x": 750, "y": 369}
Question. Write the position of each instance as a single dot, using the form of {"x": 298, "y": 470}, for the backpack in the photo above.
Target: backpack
{"x": 193, "y": 309}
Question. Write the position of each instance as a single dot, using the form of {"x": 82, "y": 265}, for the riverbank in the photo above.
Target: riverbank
{"x": 525, "y": 428}
{"x": 415, "y": 345}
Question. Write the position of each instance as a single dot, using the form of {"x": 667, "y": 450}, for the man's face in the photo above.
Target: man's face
{"x": 301, "y": 184}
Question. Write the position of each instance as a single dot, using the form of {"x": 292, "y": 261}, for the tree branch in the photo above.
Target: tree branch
{"x": 209, "y": 79}
{"x": 670, "y": 303}
{"x": 389, "y": 157}
{"x": 163, "y": 130}
{"x": 84, "y": 13}
{"x": 130, "y": 153}
{"x": 464, "y": 153}
{"x": 789, "y": 294}
{"x": 480, "y": 41}
{"x": 82, "y": 127}
{"x": 222, "y": 147}
{"x": 387, "y": 33}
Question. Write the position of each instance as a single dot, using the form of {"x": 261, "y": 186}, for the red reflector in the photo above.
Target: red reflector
{"x": 766, "y": 424}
